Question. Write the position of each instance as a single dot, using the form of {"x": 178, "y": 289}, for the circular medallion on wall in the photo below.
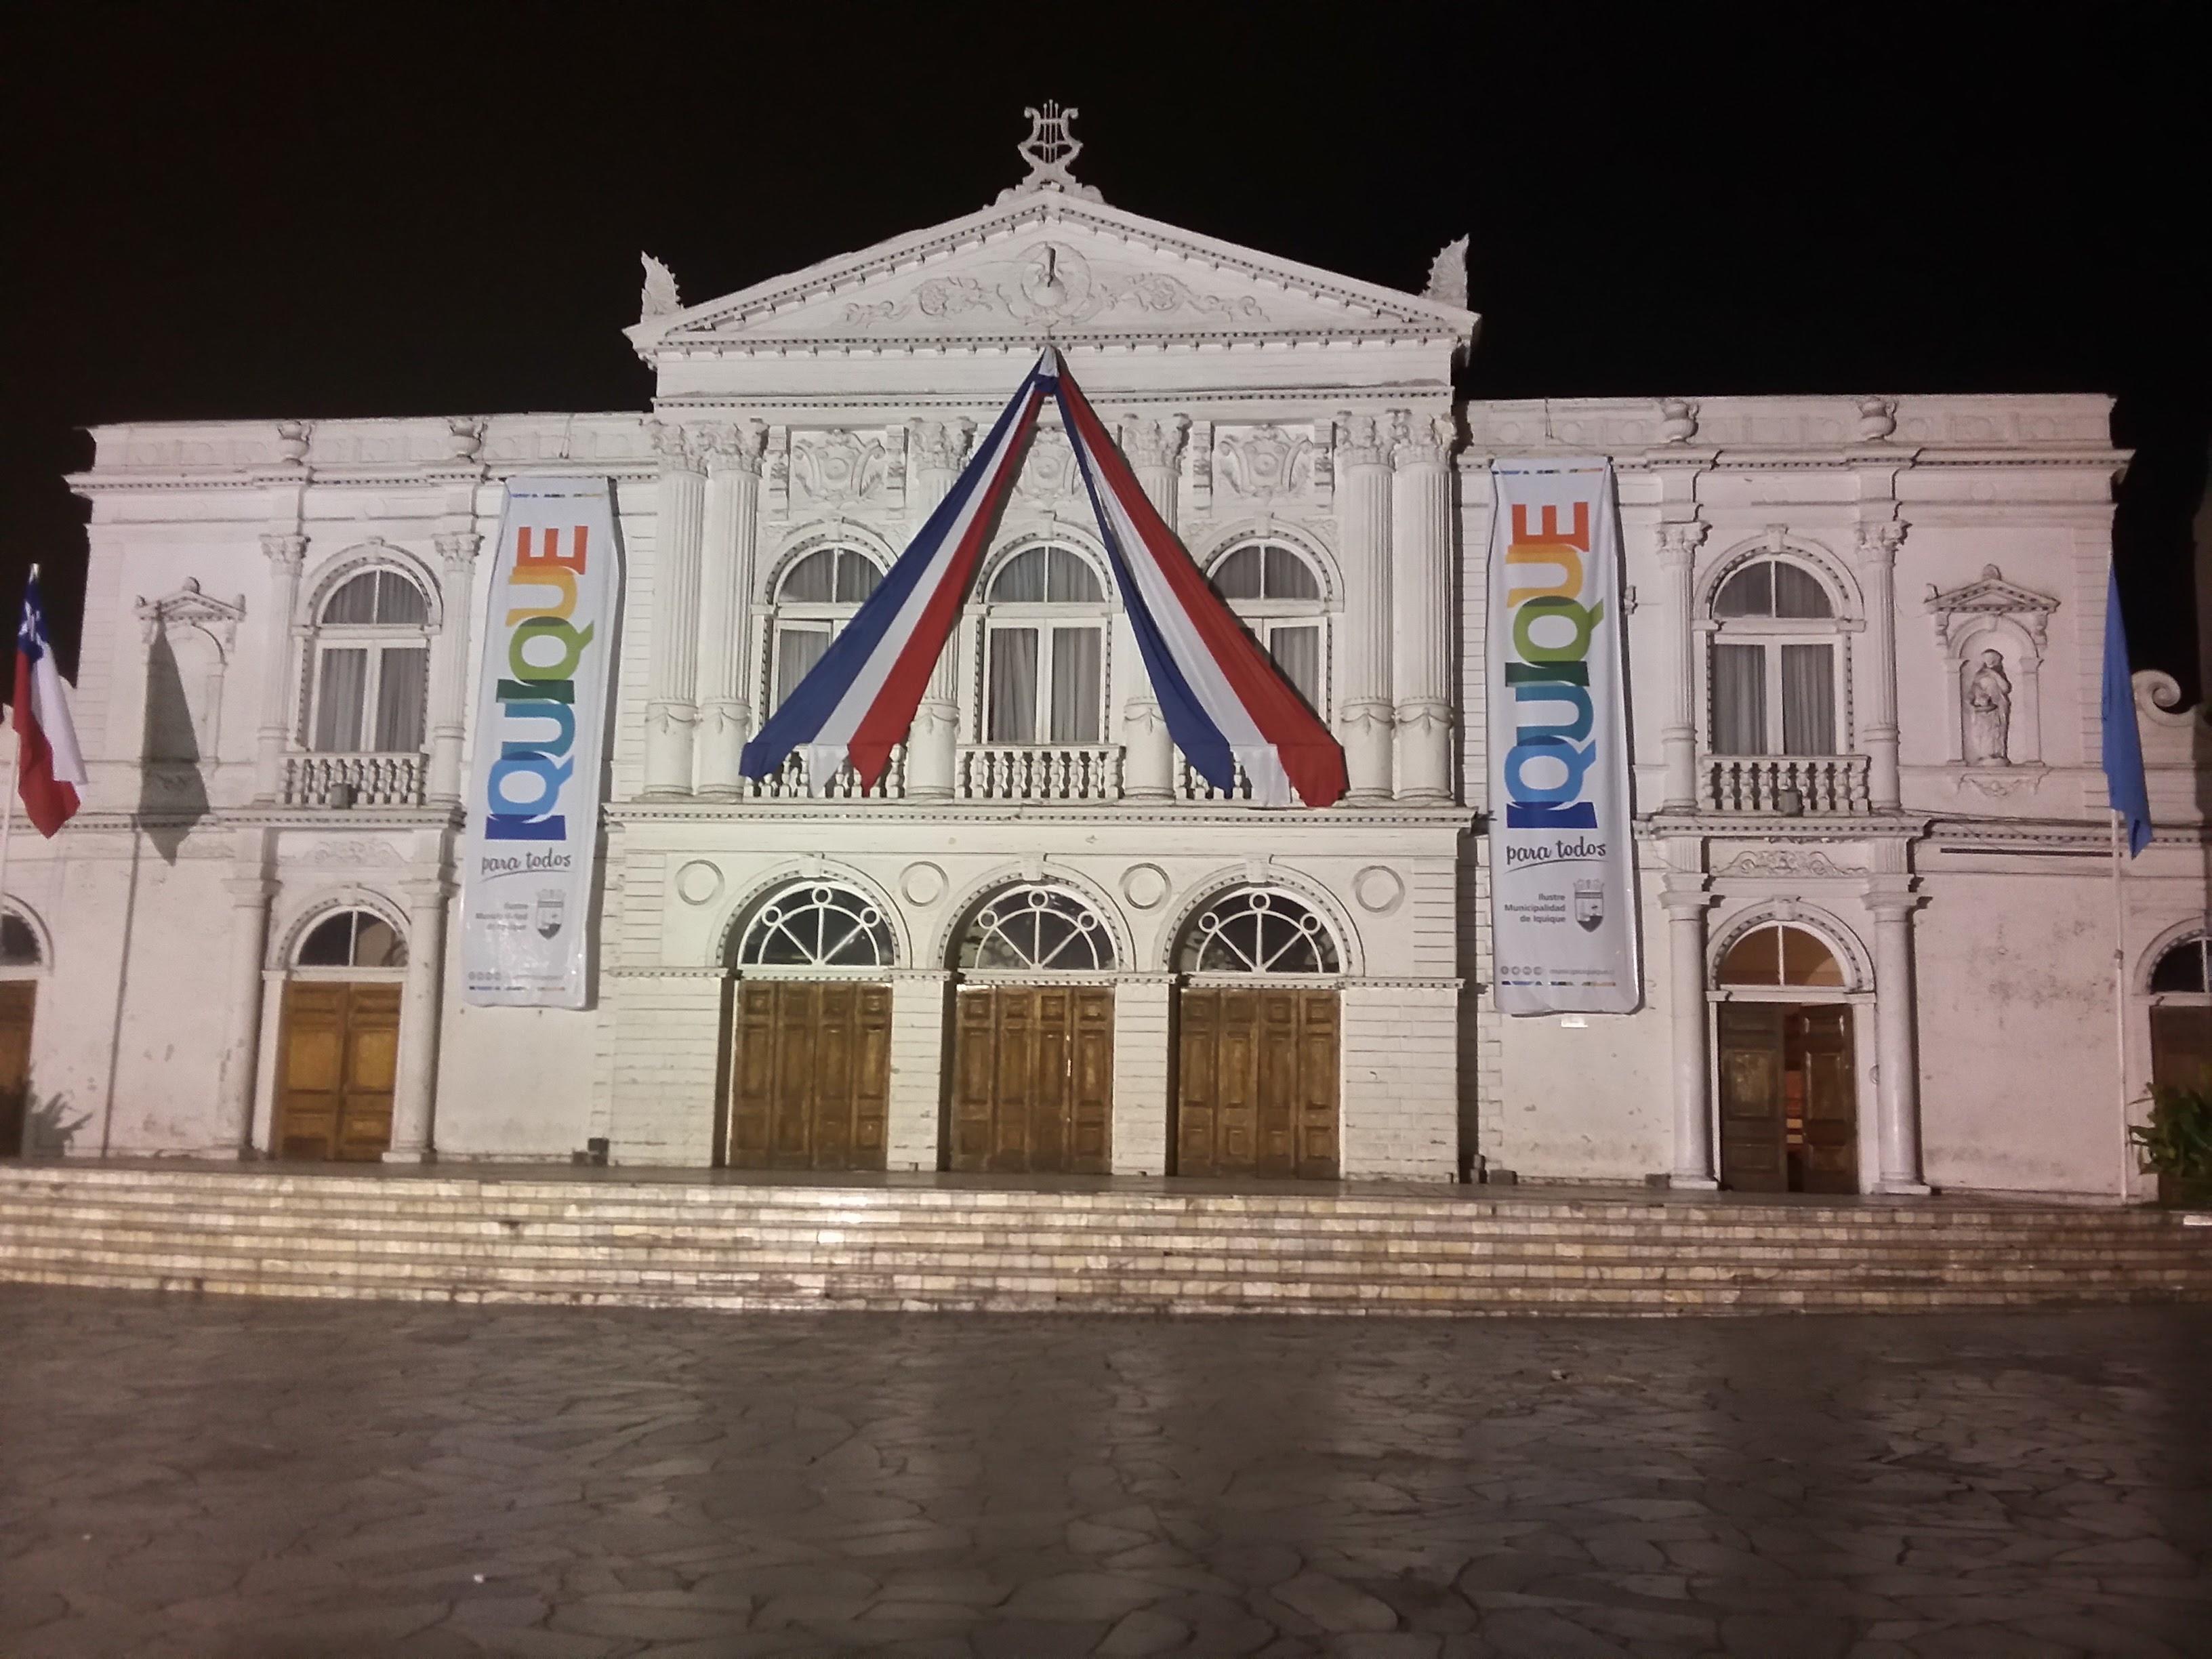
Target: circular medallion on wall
{"x": 1145, "y": 886}
{"x": 697, "y": 882}
{"x": 922, "y": 884}
{"x": 1378, "y": 888}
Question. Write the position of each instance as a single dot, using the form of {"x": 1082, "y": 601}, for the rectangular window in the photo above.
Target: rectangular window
{"x": 1010, "y": 714}
{"x": 1738, "y": 700}
{"x": 341, "y": 688}
{"x": 1809, "y": 700}
{"x": 402, "y": 676}
{"x": 1078, "y": 661}
{"x": 797, "y": 651}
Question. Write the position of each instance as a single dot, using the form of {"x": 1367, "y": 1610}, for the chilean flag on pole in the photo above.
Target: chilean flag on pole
{"x": 49, "y": 768}
{"x": 1226, "y": 701}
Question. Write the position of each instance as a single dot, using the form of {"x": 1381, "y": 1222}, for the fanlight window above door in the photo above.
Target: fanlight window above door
{"x": 1252, "y": 931}
{"x": 816, "y": 926}
{"x": 18, "y": 945}
{"x": 352, "y": 938}
{"x": 1037, "y": 929}
{"x": 1780, "y": 955}
{"x": 372, "y": 666}
{"x": 2184, "y": 969}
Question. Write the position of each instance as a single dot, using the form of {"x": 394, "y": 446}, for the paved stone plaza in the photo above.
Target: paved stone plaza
{"x": 241, "y": 1477}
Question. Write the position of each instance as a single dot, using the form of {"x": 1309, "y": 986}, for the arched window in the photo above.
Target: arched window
{"x": 351, "y": 939}
{"x": 816, "y": 924}
{"x": 1277, "y": 594}
{"x": 1781, "y": 954}
{"x": 19, "y": 943}
{"x": 814, "y": 600}
{"x": 1250, "y": 930}
{"x": 1776, "y": 662}
{"x": 2184, "y": 969}
{"x": 1044, "y": 650}
{"x": 372, "y": 666}
{"x": 1035, "y": 929}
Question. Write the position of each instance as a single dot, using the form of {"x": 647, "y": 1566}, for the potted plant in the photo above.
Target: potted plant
{"x": 2177, "y": 1143}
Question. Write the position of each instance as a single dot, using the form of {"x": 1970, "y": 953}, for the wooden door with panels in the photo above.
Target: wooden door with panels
{"x": 1818, "y": 1052}
{"x": 18, "y": 1003}
{"x": 1754, "y": 1100}
{"x": 338, "y": 1055}
{"x": 1033, "y": 1079}
{"x": 809, "y": 1076}
{"x": 1256, "y": 1083}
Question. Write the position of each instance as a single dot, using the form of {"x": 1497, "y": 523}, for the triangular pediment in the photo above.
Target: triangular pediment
{"x": 1046, "y": 264}
{"x": 1991, "y": 594}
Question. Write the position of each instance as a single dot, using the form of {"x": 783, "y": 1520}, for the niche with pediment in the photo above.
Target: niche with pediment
{"x": 190, "y": 636}
{"x": 1993, "y": 633}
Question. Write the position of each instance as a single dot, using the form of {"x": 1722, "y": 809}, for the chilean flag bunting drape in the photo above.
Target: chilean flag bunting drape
{"x": 1225, "y": 703}
{"x": 49, "y": 770}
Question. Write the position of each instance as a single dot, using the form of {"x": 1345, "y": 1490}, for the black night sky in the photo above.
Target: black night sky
{"x": 229, "y": 211}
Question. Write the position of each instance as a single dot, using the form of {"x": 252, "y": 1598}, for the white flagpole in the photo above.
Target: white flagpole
{"x": 2120, "y": 1001}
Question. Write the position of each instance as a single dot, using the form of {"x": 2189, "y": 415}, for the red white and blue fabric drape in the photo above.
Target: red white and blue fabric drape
{"x": 49, "y": 767}
{"x": 1225, "y": 703}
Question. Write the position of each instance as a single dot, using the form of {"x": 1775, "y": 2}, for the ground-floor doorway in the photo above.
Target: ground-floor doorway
{"x": 337, "y": 1054}
{"x": 1788, "y": 1106}
{"x": 1032, "y": 1079}
{"x": 1256, "y": 1083}
{"x": 2180, "y": 1043}
{"x": 18, "y": 1002}
{"x": 809, "y": 1075}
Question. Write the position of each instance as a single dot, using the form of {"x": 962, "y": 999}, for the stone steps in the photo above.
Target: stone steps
{"x": 664, "y": 1242}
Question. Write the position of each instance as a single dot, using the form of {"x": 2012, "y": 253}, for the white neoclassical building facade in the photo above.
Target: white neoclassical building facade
{"x": 1877, "y": 910}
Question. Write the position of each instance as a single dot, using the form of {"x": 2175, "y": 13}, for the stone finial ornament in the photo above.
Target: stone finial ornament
{"x": 1447, "y": 275}
{"x": 659, "y": 297}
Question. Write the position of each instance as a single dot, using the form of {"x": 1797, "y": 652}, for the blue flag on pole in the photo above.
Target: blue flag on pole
{"x": 2124, "y": 761}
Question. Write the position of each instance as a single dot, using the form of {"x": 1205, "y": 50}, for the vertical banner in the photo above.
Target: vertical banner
{"x": 541, "y": 706}
{"x": 1562, "y": 865}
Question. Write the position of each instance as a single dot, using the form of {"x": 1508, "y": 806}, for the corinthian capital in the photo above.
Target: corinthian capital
{"x": 939, "y": 446}
{"x": 1880, "y": 541}
{"x": 1363, "y": 439}
{"x": 682, "y": 448}
{"x": 458, "y": 551}
{"x": 1422, "y": 441}
{"x": 1679, "y": 543}
{"x": 1154, "y": 444}
{"x": 735, "y": 446}
{"x": 285, "y": 552}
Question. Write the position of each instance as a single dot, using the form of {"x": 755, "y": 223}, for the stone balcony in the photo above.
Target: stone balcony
{"x": 338, "y": 780}
{"x": 1071, "y": 773}
{"x": 1787, "y": 786}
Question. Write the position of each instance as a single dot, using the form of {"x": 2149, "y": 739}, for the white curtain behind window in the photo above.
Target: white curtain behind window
{"x": 400, "y": 681}
{"x": 1738, "y": 700}
{"x": 797, "y": 650}
{"x": 1077, "y": 665}
{"x": 1809, "y": 700}
{"x": 341, "y": 681}
{"x": 1297, "y": 652}
{"x": 1011, "y": 715}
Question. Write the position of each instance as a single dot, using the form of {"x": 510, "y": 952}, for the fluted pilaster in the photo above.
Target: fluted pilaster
{"x": 730, "y": 538}
{"x": 1677, "y": 738}
{"x": 1897, "y": 1036}
{"x": 1421, "y": 601}
{"x": 671, "y": 709}
{"x": 936, "y": 450}
{"x": 1877, "y": 561}
{"x": 414, "y": 1095}
{"x": 449, "y": 662}
{"x": 286, "y": 554}
{"x": 1365, "y": 715}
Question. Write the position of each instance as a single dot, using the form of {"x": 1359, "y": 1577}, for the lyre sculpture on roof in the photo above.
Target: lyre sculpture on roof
{"x": 1050, "y": 149}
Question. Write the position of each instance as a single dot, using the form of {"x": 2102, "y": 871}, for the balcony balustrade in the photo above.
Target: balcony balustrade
{"x": 1021, "y": 771}
{"x": 1191, "y": 785}
{"x": 327, "y": 780}
{"x": 1786, "y": 785}
{"x": 789, "y": 782}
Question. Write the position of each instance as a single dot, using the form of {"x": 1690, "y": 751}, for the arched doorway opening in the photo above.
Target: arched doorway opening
{"x": 2181, "y": 1013}
{"x": 809, "y": 1032}
{"x": 339, "y": 1040}
{"x": 1788, "y": 1106}
{"x": 1033, "y": 1036}
{"x": 20, "y": 965}
{"x": 1256, "y": 1045}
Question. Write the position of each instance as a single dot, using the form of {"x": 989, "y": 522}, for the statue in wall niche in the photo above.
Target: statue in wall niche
{"x": 1989, "y": 712}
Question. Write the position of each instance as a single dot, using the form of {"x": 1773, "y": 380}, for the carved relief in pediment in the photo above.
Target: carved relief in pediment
{"x": 1048, "y": 476}
{"x": 1267, "y": 463}
{"x": 1052, "y": 284}
{"x": 843, "y": 469}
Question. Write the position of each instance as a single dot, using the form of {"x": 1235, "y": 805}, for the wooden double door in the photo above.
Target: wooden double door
{"x": 1789, "y": 1118}
{"x": 1256, "y": 1083}
{"x": 2180, "y": 1043}
{"x": 1032, "y": 1079}
{"x": 809, "y": 1075}
{"x": 338, "y": 1055}
{"x": 18, "y": 1001}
